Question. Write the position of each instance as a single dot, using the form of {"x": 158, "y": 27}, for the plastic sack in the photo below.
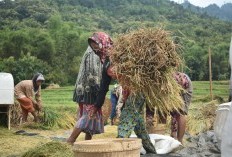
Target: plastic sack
{"x": 226, "y": 145}
{"x": 219, "y": 123}
{"x": 163, "y": 144}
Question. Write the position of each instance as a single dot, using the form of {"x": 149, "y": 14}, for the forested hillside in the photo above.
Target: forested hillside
{"x": 51, "y": 35}
{"x": 224, "y": 12}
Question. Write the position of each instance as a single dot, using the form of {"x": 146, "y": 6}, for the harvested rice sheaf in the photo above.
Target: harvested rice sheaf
{"x": 15, "y": 110}
{"x": 51, "y": 149}
{"x": 144, "y": 61}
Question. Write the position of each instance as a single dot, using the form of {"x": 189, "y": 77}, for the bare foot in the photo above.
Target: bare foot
{"x": 70, "y": 142}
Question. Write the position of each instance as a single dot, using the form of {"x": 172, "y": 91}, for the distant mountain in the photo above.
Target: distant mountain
{"x": 224, "y": 12}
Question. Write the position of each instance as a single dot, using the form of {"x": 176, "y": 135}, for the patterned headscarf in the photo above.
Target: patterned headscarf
{"x": 37, "y": 77}
{"x": 182, "y": 79}
{"x": 104, "y": 42}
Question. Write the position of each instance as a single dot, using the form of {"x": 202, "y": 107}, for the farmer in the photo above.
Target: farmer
{"x": 115, "y": 94}
{"x": 131, "y": 118}
{"x": 85, "y": 93}
{"x": 25, "y": 91}
{"x": 178, "y": 120}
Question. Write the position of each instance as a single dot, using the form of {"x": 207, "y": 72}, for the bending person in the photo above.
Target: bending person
{"x": 178, "y": 120}
{"x": 28, "y": 94}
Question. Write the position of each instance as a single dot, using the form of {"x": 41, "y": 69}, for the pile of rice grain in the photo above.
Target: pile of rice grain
{"x": 145, "y": 60}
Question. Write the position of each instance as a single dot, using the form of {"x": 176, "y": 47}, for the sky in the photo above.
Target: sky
{"x": 205, "y": 3}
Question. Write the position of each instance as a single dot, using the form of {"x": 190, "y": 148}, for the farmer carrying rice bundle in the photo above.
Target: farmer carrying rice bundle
{"x": 143, "y": 62}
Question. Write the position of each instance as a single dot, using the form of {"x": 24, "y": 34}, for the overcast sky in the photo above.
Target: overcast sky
{"x": 205, "y": 3}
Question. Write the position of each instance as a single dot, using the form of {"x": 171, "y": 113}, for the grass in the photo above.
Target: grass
{"x": 202, "y": 89}
{"x": 63, "y": 96}
{"x": 60, "y": 101}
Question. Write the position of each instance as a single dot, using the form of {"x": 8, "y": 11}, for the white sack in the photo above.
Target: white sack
{"x": 163, "y": 144}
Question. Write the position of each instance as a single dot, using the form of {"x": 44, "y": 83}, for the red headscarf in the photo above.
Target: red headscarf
{"x": 104, "y": 42}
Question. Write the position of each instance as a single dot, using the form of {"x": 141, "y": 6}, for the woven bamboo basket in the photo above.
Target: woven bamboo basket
{"x": 158, "y": 127}
{"x": 115, "y": 147}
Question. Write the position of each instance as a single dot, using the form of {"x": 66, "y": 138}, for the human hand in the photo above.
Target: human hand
{"x": 37, "y": 106}
{"x": 118, "y": 111}
{"x": 40, "y": 106}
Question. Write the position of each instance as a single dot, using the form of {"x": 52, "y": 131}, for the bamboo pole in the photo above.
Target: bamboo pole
{"x": 210, "y": 74}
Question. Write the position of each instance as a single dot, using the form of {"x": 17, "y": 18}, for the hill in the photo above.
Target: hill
{"x": 50, "y": 36}
{"x": 223, "y": 13}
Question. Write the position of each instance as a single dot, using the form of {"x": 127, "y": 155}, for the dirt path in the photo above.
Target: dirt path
{"x": 13, "y": 144}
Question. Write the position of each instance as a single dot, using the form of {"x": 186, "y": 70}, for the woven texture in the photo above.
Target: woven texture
{"x": 115, "y": 147}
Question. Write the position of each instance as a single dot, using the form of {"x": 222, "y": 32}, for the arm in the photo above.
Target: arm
{"x": 38, "y": 103}
{"x": 104, "y": 86}
{"x": 120, "y": 101}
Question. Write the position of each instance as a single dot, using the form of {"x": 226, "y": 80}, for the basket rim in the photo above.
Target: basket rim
{"x": 108, "y": 145}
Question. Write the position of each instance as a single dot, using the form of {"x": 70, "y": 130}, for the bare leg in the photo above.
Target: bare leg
{"x": 88, "y": 136}
{"x": 111, "y": 122}
{"x": 174, "y": 126}
{"x": 181, "y": 121}
{"x": 24, "y": 115}
{"x": 76, "y": 132}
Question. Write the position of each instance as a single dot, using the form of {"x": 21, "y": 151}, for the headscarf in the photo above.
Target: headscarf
{"x": 104, "y": 42}
{"x": 182, "y": 79}
{"x": 37, "y": 77}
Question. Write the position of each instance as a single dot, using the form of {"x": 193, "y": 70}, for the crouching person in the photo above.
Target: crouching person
{"x": 28, "y": 94}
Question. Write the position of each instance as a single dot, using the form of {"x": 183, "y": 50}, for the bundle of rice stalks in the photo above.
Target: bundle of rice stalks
{"x": 15, "y": 113}
{"x": 202, "y": 118}
{"x": 52, "y": 117}
{"x": 51, "y": 149}
{"x": 144, "y": 61}
{"x": 55, "y": 119}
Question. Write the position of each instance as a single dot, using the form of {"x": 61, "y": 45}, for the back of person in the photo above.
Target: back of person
{"x": 88, "y": 79}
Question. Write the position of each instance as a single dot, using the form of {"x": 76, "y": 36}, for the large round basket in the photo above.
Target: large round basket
{"x": 116, "y": 147}
{"x": 157, "y": 129}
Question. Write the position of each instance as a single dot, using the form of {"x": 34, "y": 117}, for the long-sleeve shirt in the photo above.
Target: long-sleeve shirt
{"x": 104, "y": 86}
{"x": 88, "y": 79}
{"x": 25, "y": 89}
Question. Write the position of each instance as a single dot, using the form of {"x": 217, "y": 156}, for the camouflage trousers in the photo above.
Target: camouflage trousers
{"x": 132, "y": 119}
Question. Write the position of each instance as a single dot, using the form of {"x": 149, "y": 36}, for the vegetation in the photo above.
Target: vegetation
{"x": 224, "y": 12}
{"x": 201, "y": 117}
{"x": 52, "y": 149}
{"x": 50, "y": 36}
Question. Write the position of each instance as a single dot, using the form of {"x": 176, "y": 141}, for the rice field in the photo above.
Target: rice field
{"x": 63, "y": 96}
{"x": 201, "y": 89}
{"x": 200, "y": 118}
{"x": 60, "y": 100}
